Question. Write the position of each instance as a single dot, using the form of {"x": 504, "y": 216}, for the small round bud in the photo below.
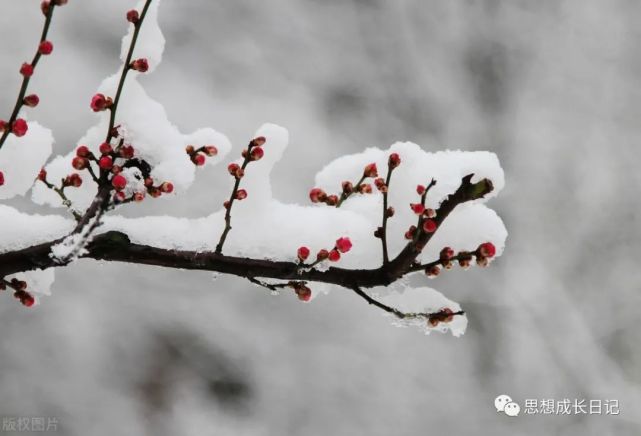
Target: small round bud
{"x": 433, "y": 271}
{"x": 42, "y": 175}
{"x": 347, "y": 186}
{"x": 233, "y": 169}
{"x": 167, "y": 187}
{"x": 116, "y": 169}
{"x": 409, "y": 234}
{"x": 26, "y": 70}
{"x": 430, "y": 213}
{"x": 482, "y": 261}
{"x": 446, "y": 253}
{"x": 303, "y": 253}
{"x": 198, "y": 159}
{"x": 19, "y": 127}
{"x": 420, "y": 189}
{"x": 79, "y": 163}
{"x": 256, "y": 153}
{"x": 83, "y": 151}
{"x": 106, "y": 162}
{"x": 211, "y": 150}
{"x": 100, "y": 103}
{"x": 417, "y": 208}
{"x": 365, "y": 188}
{"x": 139, "y": 196}
{"x": 133, "y": 16}
{"x": 487, "y": 249}
{"x": 126, "y": 151}
{"x": 259, "y": 141}
{"x": 241, "y": 194}
{"x": 334, "y": 256}
{"x": 317, "y": 195}
{"x": 119, "y": 182}
{"x": 322, "y": 255}
{"x": 141, "y": 65}
{"x": 343, "y": 244}
{"x": 105, "y": 148}
{"x": 303, "y": 293}
{"x": 45, "y": 48}
{"x": 394, "y": 160}
{"x": 370, "y": 170}
{"x": 31, "y": 100}
{"x": 331, "y": 200}
{"x": 429, "y": 226}
{"x": 190, "y": 149}
{"x": 154, "y": 192}
{"x": 390, "y": 212}
{"x": 73, "y": 180}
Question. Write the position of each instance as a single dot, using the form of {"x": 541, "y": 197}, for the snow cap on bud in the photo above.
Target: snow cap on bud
{"x": 31, "y": 100}
{"x": 322, "y": 255}
{"x": 303, "y": 253}
{"x": 141, "y": 65}
{"x": 19, "y": 127}
{"x": 26, "y": 70}
{"x": 317, "y": 195}
{"x": 133, "y": 16}
{"x": 211, "y": 150}
{"x": 79, "y": 163}
{"x": 418, "y": 208}
{"x": 370, "y": 170}
{"x": 119, "y": 182}
{"x": 394, "y": 160}
{"x": 45, "y": 48}
{"x": 429, "y": 226}
{"x": 334, "y": 256}
{"x": 100, "y": 103}
{"x": 256, "y": 153}
{"x": 241, "y": 194}
{"x": 487, "y": 249}
{"x": 343, "y": 244}
{"x": 198, "y": 159}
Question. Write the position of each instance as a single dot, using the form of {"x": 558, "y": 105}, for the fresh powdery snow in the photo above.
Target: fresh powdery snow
{"x": 263, "y": 227}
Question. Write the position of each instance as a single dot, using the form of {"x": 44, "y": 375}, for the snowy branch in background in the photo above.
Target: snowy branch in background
{"x": 381, "y": 231}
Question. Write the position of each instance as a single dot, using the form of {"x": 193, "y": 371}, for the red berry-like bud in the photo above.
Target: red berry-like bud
{"x": 418, "y": 208}
{"x": 154, "y": 192}
{"x": 79, "y": 163}
{"x": 141, "y": 65}
{"x": 26, "y": 70}
{"x": 133, "y": 16}
{"x": 167, "y": 187}
{"x": 149, "y": 182}
{"x": 389, "y": 212}
{"x": 241, "y": 194}
{"x": 370, "y": 170}
{"x": 42, "y": 175}
{"x": 19, "y": 127}
{"x": 27, "y": 299}
{"x": 256, "y": 153}
{"x": 429, "y": 226}
{"x": 116, "y": 169}
{"x": 322, "y": 255}
{"x": 259, "y": 141}
{"x": 303, "y": 253}
{"x": 432, "y": 271}
{"x": 303, "y": 293}
{"x": 31, "y": 100}
{"x": 139, "y": 196}
{"x": 99, "y": 102}
{"x": 119, "y": 182}
{"x": 446, "y": 253}
{"x": 365, "y": 188}
{"x": 45, "y": 48}
{"x": 410, "y": 232}
{"x": 73, "y": 180}
{"x": 126, "y": 151}
{"x": 82, "y": 151}
{"x": 420, "y": 189}
{"x": 487, "y": 249}
{"x": 1, "y": 178}
{"x": 105, "y": 148}
{"x": 317, "y": 195}
{"x": 44, "y": 7}
{"x": 106, "y": 162}
{"x": 198, "y": 159}
{"x": 226, "y": 204}
{"x": 190, "y": 149}
{"x": 334, "y": 256}
{"x": 233, "y": 169}
{"x": 211, "y": 150}
{"x": 343, "y": 244}
{"x": 331, "y": 200}
{"x": 348, "y": 188}
{"x": 394, "y": 160}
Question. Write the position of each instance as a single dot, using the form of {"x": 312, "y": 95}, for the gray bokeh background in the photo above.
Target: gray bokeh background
{"x": 552, "y": 87}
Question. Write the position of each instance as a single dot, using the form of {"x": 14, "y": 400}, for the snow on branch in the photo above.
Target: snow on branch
{"x": 431, "y": 217}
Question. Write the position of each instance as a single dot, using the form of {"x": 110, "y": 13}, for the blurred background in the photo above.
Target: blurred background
{"x": 552, "y": 87}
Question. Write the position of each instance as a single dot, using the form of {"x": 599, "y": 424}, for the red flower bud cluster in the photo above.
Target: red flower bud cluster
{"x": 20, "y": 288}
{"x": 342, "y": 245}
{"x": 100, "y": 103}
{"x": 199, "y": 155}
{"x": 445, "y": 315}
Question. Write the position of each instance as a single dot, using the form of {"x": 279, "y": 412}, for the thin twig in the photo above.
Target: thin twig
{"x": 26, "y": 79}
{"x": 383, "y": 234}
{"x": 345, "y": 195}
